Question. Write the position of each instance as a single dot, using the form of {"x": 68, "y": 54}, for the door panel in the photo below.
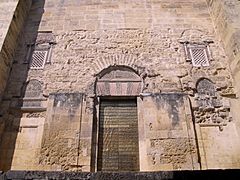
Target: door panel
{"x": 118, "y": 136}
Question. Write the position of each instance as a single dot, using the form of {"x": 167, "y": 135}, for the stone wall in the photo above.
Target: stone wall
{"x": 81, "y": 39}
{"x": 225, "y": 15}
{"x": 12, "y": 18}
{"x": 7, "y": 12}
{"x": 14, "y": 138}
{"x": 71, "y": 15}
{"x": 166, "y": 133}
{"x": 67, "y": 135}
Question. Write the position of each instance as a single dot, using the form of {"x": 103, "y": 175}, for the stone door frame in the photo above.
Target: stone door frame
{"x": 114, "y": 82}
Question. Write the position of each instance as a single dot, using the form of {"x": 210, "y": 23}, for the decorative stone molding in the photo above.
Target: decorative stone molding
{"x": 35, "y": 115}
{"x": 40, "y": 52}
{"x": 196, "y": 46}
{"x": 119, "y": 81}
{"x": 198, "y": 53}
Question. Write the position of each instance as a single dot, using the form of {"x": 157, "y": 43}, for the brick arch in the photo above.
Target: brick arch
{"x": 109, "y": 69}
{"x": 105, "y": 62}
{"x": 118, "y": 81}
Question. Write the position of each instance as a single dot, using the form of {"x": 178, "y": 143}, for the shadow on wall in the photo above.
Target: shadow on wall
{"x": 94, "y": 137}
{"x": 15, "y": 91}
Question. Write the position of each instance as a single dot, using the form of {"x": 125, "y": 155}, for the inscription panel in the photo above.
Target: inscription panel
{"x": 118, "y": 136}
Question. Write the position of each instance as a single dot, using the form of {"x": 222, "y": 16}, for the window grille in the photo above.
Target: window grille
{"x": 199, "y": 57}
{"x": 38, "y": 59}
{"x": 198, "y": 54}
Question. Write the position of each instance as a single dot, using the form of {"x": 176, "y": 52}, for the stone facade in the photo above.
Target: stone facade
{"x": 167, "y": 55}
{"x": 12, "y": 17}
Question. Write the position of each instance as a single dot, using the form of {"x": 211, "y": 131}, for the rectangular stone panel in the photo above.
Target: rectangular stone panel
{"x": 62, "y": 131}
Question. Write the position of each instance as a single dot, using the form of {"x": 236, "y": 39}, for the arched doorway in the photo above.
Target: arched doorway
{"x": 117, "y": 89}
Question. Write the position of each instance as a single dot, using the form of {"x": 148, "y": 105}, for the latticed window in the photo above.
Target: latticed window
{"x": 198, "y": 54}
{"x": 40, "y": 52}
{"x": 39, "y": 58}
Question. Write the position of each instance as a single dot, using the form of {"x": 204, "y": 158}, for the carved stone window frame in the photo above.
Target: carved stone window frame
{"x": 41, "y": 55}
{"x": 198, "y": 54}
{"x": 44, "y": 45}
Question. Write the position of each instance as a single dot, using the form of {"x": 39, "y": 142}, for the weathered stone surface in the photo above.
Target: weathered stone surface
{"x": 225, "y": 15}
{"x": 180, "y": 106}
{"x": 12, "y": 18}
{"x": 166, "y": 134}
{"x": 62, "y": 139}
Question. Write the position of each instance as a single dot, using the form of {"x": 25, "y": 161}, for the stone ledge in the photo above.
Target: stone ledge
{"x": 33, "y": 109}
{"x": 183, "y": 175}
